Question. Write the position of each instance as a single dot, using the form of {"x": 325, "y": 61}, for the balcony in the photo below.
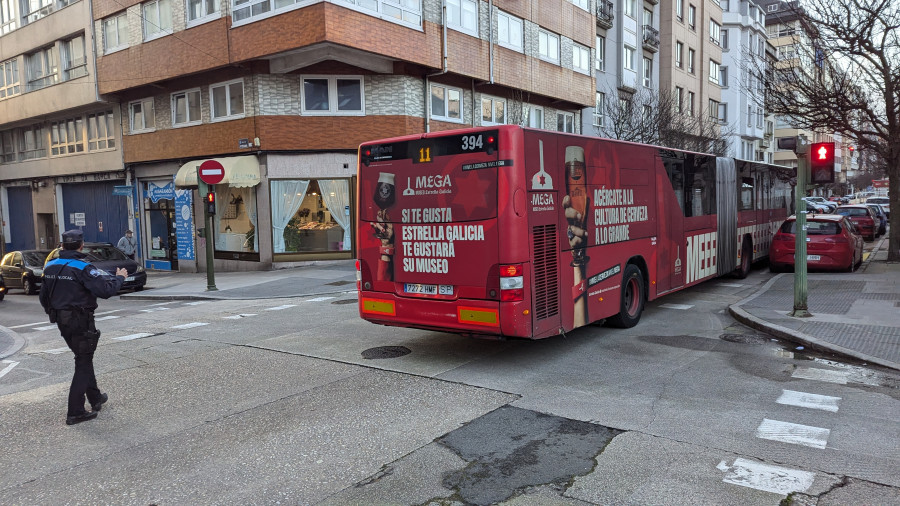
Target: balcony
{"x": 605, "y": 14}
{"x": 765, "y": 143}
{"x": 651, "y": 38}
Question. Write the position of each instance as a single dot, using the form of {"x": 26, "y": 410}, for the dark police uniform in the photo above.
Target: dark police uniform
{"x": 69, "y": 294}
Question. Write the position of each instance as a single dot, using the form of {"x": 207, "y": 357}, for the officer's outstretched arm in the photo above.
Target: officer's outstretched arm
{"x": 100, "y": 283}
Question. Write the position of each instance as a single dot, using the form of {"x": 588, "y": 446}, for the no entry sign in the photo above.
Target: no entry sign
{"x": 212, "y": 172}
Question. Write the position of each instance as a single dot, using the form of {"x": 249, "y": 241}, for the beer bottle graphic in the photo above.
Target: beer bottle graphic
{"x": 576, "y": 188}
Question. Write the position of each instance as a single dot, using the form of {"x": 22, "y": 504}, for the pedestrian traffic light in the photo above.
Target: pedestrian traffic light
{"x": 821, "y": 162}
{"x": 211, "y": 203}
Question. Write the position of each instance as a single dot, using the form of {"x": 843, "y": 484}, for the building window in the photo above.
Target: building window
{"x": 548, "y": 46}
{"x": 690, "y": 62}
{"x": 115, "y": 33}
{"x": 509, "y": 31}
{"x": 308, "y": 216}
{"x": 9, "y": 78}
{"x": 724, "y": 38}
{"x": 648, "y": 112}
{"x": 32, "y": 143}
{"x": 581, "y": 58}
{"x": 101, "y": 131}
{"x": 565, "y": 122}
{"x": 226, "y": 100}
{"x": 339, "y": 96}
{"x": 408, "y": 12}
{"x": 692, "y": 17}
{"x": 534, "y": 116}
{"x": 33, "y": 10}
{"x": 600, "y": 109}
{"x": 446, "y": 103}
{"x": 759, "y": 117}
{"x": 493, "y": 111}
{"x": 157, "y": 18}
{"x": 679, "y": 94}
{"x": 723, "y": 76}
{"x": 141, "y": 115}
{"x": 628, "y": 58}
{"x": 690, "y": 103}
{"x": 749, "y": 116}
{"x": 186, "y": 108}
{"x": 679, "y": 10}
{"x": 648, "y": 17}
{"x": 462, "y": 15}
{"x": 7, "y": 146}
{"x": 679, "y": 54}
{"x": 42, "y": 68}
{"x": 715, "y": 33}
{"x": 600, "y": 62}
{"x": 74, "y": 63}
{"x": 67, "y": 137}
{"x": 718, "y": 111}
{"x": 7, "y": 16}
{"x": 581, "y": 3}
{"x": 630, "y": 8}
{"x": 199, "y": 11}
{"x": 648, "y": 72}
{"x": 714, "y": 72}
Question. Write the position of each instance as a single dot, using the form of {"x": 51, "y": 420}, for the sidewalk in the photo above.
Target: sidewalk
{"x": 853, "y": 314}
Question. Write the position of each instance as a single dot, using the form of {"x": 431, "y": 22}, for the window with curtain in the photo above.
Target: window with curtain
{"x": 311, "y": 216}
{"x": 236, "y": 219}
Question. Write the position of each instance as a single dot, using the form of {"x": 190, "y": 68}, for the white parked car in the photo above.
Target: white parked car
{"x": 884, "y": 202}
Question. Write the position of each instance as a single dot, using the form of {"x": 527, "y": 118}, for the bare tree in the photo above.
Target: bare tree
{"x": 845, "y": 77}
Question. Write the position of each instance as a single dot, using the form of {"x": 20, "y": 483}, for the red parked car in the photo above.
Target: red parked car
{"x": 862, "y": 217}
{"x": 832, "y": 242}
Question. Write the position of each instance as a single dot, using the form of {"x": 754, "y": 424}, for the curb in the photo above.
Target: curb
{"x": 164, "y": 296}
{"x": 17, "y": 343}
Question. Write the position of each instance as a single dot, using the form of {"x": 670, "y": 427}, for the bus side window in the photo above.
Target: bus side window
{"x": 675, "y": 171}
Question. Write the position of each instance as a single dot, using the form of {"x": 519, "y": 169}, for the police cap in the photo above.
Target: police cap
{"x": 72, "y": 237}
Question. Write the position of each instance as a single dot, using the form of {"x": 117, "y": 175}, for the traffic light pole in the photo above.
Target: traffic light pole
{"x": 800, "y": 267}
{"x": 208, "y": 222}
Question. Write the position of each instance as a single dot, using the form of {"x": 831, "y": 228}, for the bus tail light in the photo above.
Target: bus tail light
{"x": 358, "y": 277}
{"x": 363, "y": 276}
{"x": 512, "y": 283}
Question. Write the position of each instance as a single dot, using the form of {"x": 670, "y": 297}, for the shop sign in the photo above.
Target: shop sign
{"x": 122, "y": 191}
{"x": 184, "y": 224}
{"x": 155, "y": 192}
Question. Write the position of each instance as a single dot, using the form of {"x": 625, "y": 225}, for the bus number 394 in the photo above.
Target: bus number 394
{"x": 472, "y": 142}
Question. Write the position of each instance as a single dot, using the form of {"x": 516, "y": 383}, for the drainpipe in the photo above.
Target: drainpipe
{"x": 443, "y": 59}
{"x": 491, "y": 38}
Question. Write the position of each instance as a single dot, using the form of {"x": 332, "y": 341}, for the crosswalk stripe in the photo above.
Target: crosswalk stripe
{"x": 731, "y": 285}
{"x": 318, "y": 299}
{"x": 279, "y": 308}
{"x": 26, "y": 325}
{"x": 106, "y": 318}
{"x": 48, "y": 327}
{"x": 196, "y": 303}
{"x": 56, "y": 351}
{"x": 129, "y": 337}
{"x": 677, "y": 306}
{"x": 775, "y": 479}
{"x": 8, "y": 367}
{"x": 786, "y": 432}
{"x": 238, "y": 316}
{"x": 814, "y": 373}
{"x": 155, "y": 309}
{"x": 107, "y": 312}
{"x": 812, "y": 401}
{"x": 190, "y": 325}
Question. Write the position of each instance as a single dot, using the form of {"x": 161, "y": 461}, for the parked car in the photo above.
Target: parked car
{"x": 2, "y": 288}
{"x": 813, "y": 206}
{"x": 109, "y": 258}
{"x": 832, "y": 242}
{"x": 862, "y": 217}
{"x": 23, "y": 269}
{"x": 884, "y": 202}
{"x": 882, "y": 218}
{"x": 821, "y": 201}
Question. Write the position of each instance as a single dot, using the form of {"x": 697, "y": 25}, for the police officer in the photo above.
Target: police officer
{"x": 69, "y": 295}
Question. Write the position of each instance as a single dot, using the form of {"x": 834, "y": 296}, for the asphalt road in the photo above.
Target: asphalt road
{"x": 270, "y": 401}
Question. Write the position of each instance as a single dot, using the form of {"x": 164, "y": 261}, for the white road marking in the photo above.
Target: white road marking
{"x": 279, "y": 308}
{"x": 239, "y": 316}
{"x": 778, "y": 480}
{"x": 196, "y": 303}
{"x": 158, "y": 304}
{"x": 129, "y": 337}
{"x": 56, "y": 351}
{"x": 318, "y": 299}
{"x": 677, "y": 306}
{"x": 27, "y": 325}
{"x": 812, "y": 401}
{"x": 813, "y": 373}
{"x": 190, "y": 325}
{"x": 793, "y": 433}
{"x": 155, "y": 309}
{"x": 107, "y": 312}
{"x": 731, "y": 285}
{"x": 106, "y": 318}
{"x": 8, "y": 368}
{"x": 48, "y": 327}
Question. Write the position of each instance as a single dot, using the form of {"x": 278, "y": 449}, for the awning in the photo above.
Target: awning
{"x": 240, "y": 172}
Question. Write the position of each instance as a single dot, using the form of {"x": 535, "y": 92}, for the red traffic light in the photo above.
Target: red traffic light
{"x": 821, "y": 162}
{"x": 211, "y": 198}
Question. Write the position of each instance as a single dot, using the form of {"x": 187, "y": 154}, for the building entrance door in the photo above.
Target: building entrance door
{"x": 162, "y": 245}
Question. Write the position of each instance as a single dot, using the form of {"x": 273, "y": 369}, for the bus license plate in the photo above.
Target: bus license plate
{"x": 428, "y": 289}
{"x": 814, "y": 258}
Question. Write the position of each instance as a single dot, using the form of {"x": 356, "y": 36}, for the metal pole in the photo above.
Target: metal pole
{"x": 800, "y": 280}
{"x": 209, "y": 223}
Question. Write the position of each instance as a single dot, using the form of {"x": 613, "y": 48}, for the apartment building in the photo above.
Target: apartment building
{"x": 691, "y": 58}
{"x": 282, "y": 92}
{"x": 743, "y": 38}
{"x": 60, "y": 143}
{"x": 626, "y": 63}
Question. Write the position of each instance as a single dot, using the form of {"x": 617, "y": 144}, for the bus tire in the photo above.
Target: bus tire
{"x": 743, "y": 270}
{"x": 631, "y": 303}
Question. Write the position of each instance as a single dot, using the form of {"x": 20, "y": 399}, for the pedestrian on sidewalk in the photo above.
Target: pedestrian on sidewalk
{"x": 126, "y": 245}
{"x": 69, "y": 296}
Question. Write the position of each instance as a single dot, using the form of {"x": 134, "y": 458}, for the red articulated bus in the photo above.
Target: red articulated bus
{"x": 509, "y": 231}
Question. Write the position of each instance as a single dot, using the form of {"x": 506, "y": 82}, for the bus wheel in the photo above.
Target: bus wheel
{"x": 632, "y": 299}
{"x": 746, "y": 259}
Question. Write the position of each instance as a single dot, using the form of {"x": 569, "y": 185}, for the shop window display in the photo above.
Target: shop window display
{"x": 310, "y": 216}
{"x": 235, "y": 219}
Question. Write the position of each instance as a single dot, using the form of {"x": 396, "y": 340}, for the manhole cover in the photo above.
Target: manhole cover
{"x": 385, "y": 352}
{"x": 744, "y": 338}
{"x": 340, "y": 283}
{"x": 345, "y": 301}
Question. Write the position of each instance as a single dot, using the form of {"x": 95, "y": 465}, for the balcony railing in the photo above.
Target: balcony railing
{"x": 651, "y": 38}
{"x": 605, "y": 14}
